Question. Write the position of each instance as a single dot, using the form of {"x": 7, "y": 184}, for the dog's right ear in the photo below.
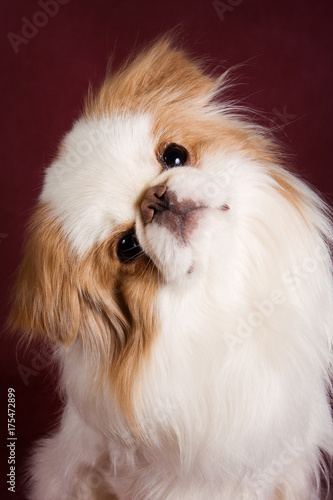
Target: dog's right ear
{"x": 45, "y": 299}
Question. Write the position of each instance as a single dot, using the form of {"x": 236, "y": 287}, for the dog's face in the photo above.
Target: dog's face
{"x": 156, "y": 190}
{"x": 153, "y": 164}
{"x": 162, "y": 201}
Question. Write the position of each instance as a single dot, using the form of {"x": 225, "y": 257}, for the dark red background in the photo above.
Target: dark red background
{"x": 286, "y": 49}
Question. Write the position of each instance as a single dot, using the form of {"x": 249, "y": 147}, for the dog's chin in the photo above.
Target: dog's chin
{"x": 180, "y": 250}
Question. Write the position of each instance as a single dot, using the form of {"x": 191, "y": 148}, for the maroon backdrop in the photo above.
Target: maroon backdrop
{"x": 52, "y": 49}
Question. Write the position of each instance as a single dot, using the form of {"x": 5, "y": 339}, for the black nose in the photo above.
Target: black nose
{"x": 154, "y": 201}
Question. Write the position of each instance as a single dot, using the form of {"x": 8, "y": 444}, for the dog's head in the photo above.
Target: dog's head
{"x": 157, "y": 191}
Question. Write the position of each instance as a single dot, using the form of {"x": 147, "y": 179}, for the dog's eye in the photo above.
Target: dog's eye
{"x": 174, "y": 156}
{"x": 128, "y": 248}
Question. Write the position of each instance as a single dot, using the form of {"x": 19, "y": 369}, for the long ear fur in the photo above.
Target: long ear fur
{"x": 45, "y": 302}
{"x": 56, "y": 290}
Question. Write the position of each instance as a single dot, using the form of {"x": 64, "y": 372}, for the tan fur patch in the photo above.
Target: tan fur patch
{"x": 43, "y": 299}
{"x": 172, "y": 88}
{"x": 93, "y": 299}
{"x": 159, "y": 76}
{"x": 291, "y": 194}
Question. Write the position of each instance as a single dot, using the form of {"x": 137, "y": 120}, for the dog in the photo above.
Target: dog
{"x": 183, "y": 275}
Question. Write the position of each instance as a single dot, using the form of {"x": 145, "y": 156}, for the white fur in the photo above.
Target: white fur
{"x": 95, "y": 183}
{"x": 234, "y": 399}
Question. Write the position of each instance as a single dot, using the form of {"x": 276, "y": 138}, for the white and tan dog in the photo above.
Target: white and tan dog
{"x": 184, "y": 278}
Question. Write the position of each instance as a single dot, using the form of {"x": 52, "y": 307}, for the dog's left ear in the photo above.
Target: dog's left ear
{"x": 45, "y": 301}
{"x": 59, "y": 293}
